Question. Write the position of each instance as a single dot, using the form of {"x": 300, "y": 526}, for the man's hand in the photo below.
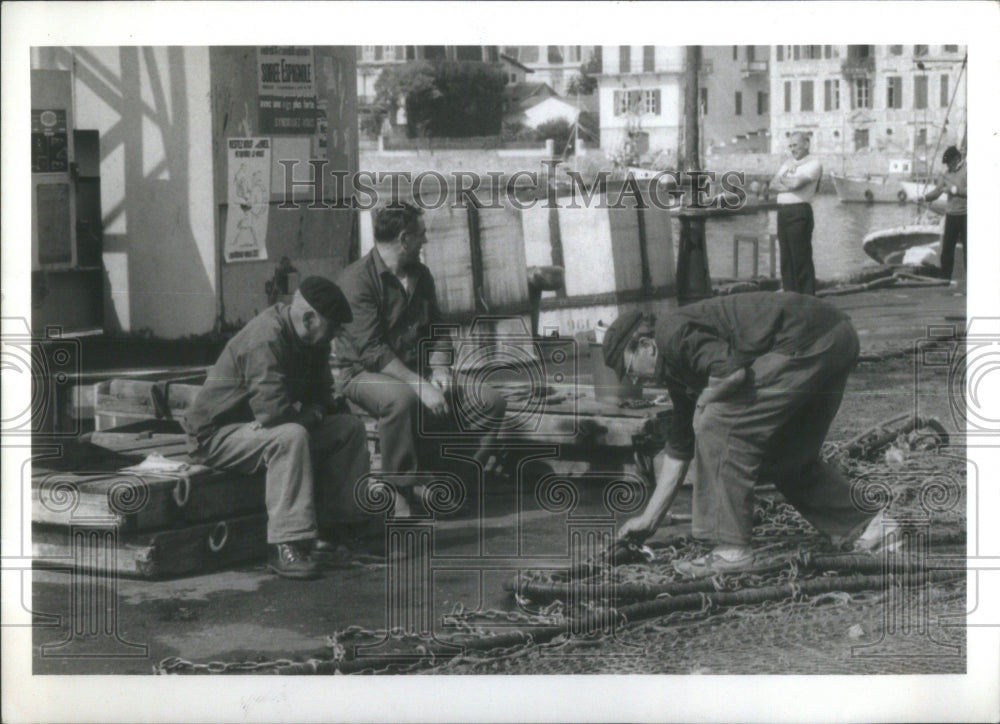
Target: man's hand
{"x": 441, "y": 378}
{"x": 311, "y": 415}
{"x": 720, "y": 388}
{"x": 637, "y": 529}
{"x": 433, "y": 399}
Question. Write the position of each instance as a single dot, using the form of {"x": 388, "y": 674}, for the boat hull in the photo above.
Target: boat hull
{"x": 871, "y": 190}
{"x": 889, "y": 246}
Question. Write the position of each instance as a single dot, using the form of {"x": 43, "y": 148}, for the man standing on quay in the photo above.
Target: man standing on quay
{"x": 796, "y": 183}
{"x": 268, "y": 404}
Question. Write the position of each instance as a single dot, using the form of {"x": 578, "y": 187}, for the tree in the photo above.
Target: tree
{"x": 445, "y": 98}
{"x": 585, "y": 81}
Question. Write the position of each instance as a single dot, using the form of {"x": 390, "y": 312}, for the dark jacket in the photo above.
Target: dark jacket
{"x": 263, "y": 373}
{"x": 388, "y": 322}
{"x": 717, "y": 336}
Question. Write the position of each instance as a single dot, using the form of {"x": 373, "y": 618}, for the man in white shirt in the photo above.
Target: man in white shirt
{"x": 796, "y": 183}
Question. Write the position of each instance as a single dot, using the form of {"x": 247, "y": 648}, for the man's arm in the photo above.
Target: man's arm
{"x": 668, "y": 483}
{"x": 778, "y": 182}
{"x": 806, "y": 174}
{"x": 938, "y": 189}
{"x": 270, "y": 398}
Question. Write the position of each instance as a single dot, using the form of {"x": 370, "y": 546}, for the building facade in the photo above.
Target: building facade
{"x": 641, "y": 94}
{"x": 555, "y": 65}
{"x": 640, "y": 90}
{"x": 734, "y": 88}
{"x": 887, "y": 99}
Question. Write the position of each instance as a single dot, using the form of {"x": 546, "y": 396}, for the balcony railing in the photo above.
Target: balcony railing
{"x": 858, "y": 67}
{"x": 754, "y": 67}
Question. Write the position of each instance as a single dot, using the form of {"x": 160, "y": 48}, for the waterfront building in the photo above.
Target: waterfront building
{"x": 641, "y": 93}
{"x": 884, "y": 99}
{"x": 555, "y": 65}
{"x": 734, "y": 91}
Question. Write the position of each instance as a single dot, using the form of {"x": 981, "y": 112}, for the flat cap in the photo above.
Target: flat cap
{"x": 617, "y": 337}
{"x": 326, "y": 298}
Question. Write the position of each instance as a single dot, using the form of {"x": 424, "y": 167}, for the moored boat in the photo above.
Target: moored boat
{"x": 891, "y": 246}
{"x": 868, "y": 189}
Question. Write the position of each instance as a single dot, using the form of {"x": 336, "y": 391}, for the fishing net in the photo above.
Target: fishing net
{"x": 833, "y": 632}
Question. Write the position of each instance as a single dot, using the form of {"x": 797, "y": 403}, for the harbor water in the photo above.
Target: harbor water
{"x": 839, "y": 231}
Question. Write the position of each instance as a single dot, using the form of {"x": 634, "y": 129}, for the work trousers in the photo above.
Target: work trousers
{"x": 334, "y": 453}
{"x": 409, "y": 436}
{"x": 955, "y": 232}
{"x": 772, "y": 430}
{"x": 795, "y": 228}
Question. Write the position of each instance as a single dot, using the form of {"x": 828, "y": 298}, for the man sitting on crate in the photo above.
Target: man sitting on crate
{"x": 394, "y": 305}
{"x": 268, "y": 403}
{"x": 755, "y": 380}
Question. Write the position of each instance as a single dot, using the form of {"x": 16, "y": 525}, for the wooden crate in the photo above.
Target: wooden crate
{"x": 120, "y": 402}
{"x": 175, "y": 552}
{"x": 65, "y": 494}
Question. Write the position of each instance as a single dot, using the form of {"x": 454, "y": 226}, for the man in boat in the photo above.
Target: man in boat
{"x": 268, "y": 404}
{"x": 394, "y": 305}
{"x": 953, "y": 182}
{"x": 797, "y": 182}
{"x": 755, "y": 380}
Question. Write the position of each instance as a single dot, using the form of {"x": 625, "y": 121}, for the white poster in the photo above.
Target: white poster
{"x": 249, "y": 193}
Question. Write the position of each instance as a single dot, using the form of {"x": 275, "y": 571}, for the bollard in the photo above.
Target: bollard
{"x": 693, "y": 280}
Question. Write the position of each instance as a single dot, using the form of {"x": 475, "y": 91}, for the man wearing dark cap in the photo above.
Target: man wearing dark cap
{"x": 394, "y": 303}
{"x": 755, "y": 381}
{"x": 954, "y": 182}
{"x": 268, "y": 404}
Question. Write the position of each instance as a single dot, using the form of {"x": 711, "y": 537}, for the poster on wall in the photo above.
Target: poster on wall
{"x": 249, "y": 176}
{"x": 286, "y": 89}
{"x": 48, "y": 141}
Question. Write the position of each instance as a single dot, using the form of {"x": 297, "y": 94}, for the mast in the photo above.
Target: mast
{"x": 690, "y": 158}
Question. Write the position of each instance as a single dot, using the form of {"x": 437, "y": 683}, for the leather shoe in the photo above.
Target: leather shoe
{"x": 292, "y": 560}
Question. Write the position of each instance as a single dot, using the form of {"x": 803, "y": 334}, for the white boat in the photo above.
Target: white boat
{"x": 915, "y": 189}
{"x": 874, "y": 188}
{"x": 905, "y": 244}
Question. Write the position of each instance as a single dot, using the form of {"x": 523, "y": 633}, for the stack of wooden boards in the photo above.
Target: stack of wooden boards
{"x": 134, "y": 485}
{"x": 168, "y": 517}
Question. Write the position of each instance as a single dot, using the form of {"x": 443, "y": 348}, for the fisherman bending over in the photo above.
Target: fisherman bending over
{"x": 755, "y": 381}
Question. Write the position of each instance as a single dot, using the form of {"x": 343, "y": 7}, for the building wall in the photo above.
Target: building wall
{"x": 905, "y": 130}
{"x": 550, "y": 109}
{"x": 151, "y": 108}
{"x": 556, "y": 65}
{"x": 663, "y": 128}
{"x": 724, "y": 76}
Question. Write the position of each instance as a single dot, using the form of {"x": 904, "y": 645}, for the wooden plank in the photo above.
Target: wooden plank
{"x": 195, "y": 549}
{"x": 449, "y": 258}
{"x": 588, "y": 258}
{"x": 155, "y": 500}
{"x": 505, "y": 268}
